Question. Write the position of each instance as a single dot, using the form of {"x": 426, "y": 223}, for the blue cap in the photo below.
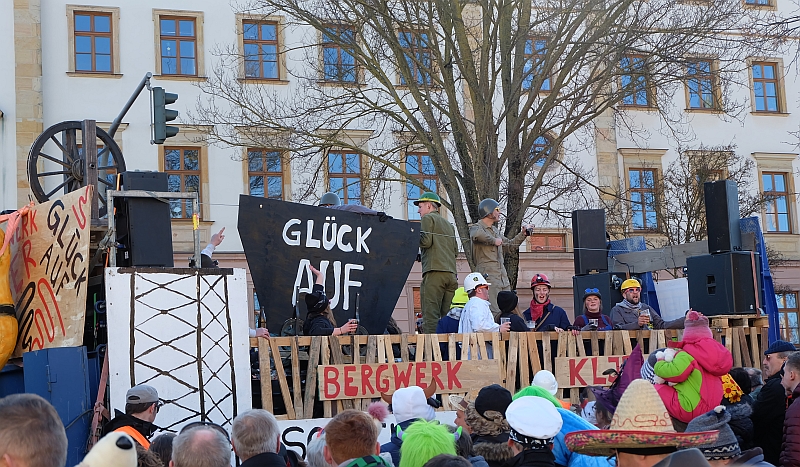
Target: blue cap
{"x": 779, "y": 346}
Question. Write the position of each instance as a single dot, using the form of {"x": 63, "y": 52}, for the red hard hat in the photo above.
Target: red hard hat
{"x": 540, "y": 279}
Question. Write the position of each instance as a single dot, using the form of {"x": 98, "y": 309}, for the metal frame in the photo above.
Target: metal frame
{"x": 162, "y": 196}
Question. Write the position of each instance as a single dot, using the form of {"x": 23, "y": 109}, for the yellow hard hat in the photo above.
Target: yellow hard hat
{"x": 460, "y": 298}
{"x": 630, "y": 283}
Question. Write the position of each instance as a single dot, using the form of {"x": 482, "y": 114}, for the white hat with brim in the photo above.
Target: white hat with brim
{"x": 641, "y": 421}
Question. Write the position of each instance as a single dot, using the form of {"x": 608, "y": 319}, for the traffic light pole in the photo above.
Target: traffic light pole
{"x": 117, "y": 121}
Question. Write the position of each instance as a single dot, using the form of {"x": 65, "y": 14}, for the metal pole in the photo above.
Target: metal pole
{"x": 112, "y": 252}
{"x": 90, "y": 175}
{"x": 145, "y": 82}
{"x": 196, "y": 227}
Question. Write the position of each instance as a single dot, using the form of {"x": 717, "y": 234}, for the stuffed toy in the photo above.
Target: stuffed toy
{"x": 688, "y": 375}
{"x": 113, "y": 450}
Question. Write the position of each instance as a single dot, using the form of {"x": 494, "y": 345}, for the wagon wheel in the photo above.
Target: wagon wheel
{"x": 51, "y": 175}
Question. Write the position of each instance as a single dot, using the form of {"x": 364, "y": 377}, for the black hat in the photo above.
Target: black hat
{"x": 779, "y": 346}
{"x": 317, "y": 301}
{"x": 589, "y": 292}
{"x": 507, "y": 301}
{"x": 494, "y": 397}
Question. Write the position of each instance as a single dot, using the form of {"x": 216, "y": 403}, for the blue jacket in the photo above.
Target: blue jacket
{"x": 566, "y": 457}
{"x": 552, "y": 317}
{"x": 393, "y": 446}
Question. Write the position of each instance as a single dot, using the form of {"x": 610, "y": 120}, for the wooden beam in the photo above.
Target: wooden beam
{"x": 669, "y": 257}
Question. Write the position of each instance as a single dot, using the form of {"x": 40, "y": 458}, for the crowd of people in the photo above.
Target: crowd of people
{"x": 683, "y": 405}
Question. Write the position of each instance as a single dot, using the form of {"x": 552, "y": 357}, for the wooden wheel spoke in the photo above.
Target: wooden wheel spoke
{"x": 61, "y": 146}
{"x": 108, "y": 167}
{"x": 57, "y": 161}
{"x": 58, "y": 172}
{"x": 59, "y": 187}
{"x": 103, "y": 180}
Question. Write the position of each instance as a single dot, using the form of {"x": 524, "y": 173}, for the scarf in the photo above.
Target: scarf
{"x": 591, "y": 315}
{"x": 630, "y": 305}
{"x": 537, "y": 309}
{"x": 455, "y": 313}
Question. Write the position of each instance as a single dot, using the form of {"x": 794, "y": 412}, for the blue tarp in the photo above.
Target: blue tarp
{"x": 628, "y": 245}
{"x": 768, "y": 301}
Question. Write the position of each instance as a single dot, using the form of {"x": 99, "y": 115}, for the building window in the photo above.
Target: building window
{"x": 757, "y": 2}
{"x": 337, "y": 56}
{"x": 265, "y": 173}
{"x": 701, "y": 84}
{"x": 540, "y": 150}
{"x": 765, "y": 86}
{"x": 777, "y": 208}
{"x": 182, "y": 166}
{"x": 418, "y": 56}
{"x": 344, "y": 176}
{"x": 547, "y": 243}
{"x": 634, "y": 81}
{"x": 93, "y": 42}
{"x": 788, "y": 316}
{"x": 419, "y": 167}
{"x": 178, "y": 39}
{"x": 535, "y": 52}
{"x": 643, "y": 198}
{"x": 261, "y": 50}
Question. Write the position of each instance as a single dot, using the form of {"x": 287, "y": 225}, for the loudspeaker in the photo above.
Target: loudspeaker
{"x": 143, "y": 224}
{"x": 608, "y": 283}
{"x": 722, "y": 216}
{"x": 723, "y": 283}
{"x": 589, "y": 240}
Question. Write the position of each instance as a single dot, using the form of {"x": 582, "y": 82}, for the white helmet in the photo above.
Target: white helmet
{"x": 473, "y": 280}
{"x": 547, "y": 380}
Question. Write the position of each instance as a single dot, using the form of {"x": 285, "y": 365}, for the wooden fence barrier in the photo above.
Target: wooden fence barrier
{"x": 519, "y": 356}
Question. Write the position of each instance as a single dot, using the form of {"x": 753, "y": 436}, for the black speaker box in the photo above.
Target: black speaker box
{"x": 723, "y": 284}
{"x": 589, "y": 240}
{"x": 607, "y": 283}
{"x": 722, "y": 216}
{"x": 143, "y": 224}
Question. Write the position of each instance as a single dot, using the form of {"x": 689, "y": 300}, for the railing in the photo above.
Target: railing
{"x": 519, "y": 356}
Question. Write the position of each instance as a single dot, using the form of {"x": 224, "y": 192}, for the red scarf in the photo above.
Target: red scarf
{"x": 537, "y": 309}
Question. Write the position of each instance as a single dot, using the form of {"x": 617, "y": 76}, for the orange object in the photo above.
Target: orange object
{"x": 8, "y": 319}
{"x": 133, "y": 433}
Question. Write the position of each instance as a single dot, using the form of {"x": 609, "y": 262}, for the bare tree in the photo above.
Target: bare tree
{"x": 502, "y": 94}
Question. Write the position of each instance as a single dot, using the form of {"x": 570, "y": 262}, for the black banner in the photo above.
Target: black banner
{"x": 359, "y": 256}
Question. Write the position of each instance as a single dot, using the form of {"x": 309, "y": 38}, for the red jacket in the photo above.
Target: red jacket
{"x": 790, "y": 449}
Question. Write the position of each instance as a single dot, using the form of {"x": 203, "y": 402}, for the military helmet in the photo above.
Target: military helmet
{"x": 429, "y": 196}
{"x": 486, "y": 207}
{"x": 330, "y": 199}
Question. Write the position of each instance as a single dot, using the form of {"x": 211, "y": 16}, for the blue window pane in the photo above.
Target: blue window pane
{"x": 412, "y": 191}
{"x": 102, "y": 45}
{"x": 348, "y": 74}
{"x": 190, "y": 160}
{"x": 782, "y": 204}
{"x": 187, "y": 49}
{"x": 175, "y": 208}
{"x": 274, "y": 187}
{"x": 634, "y": 179}
{"x": 783, "y": 222}
{"x": 413, "y": 215}
{"x": 102, "y": 63}
{"x": 192, "y": 183}
{"x": 772, "y": 104}
{"x": 791, "y": 302}
{"x": 187, "y": 66}
{"x": 251, "y": 69}
{"x": 780, "y": 182}
{"x": 353, "y": 163}
{"x": 636, "y": 197}
{"x": 251, "y": 51}
{"x": 353, "y": 190}
{"x": 187, "y": 28}
{"x": 430, "y": 185}
{"x": 254, "y": 161}
{"x": 769, "y": 72}
{"x": 172, "y": 160}
{"x": 168, "y": 27}
{"x": 766, "y": 180}
{"x": 102, "y": 24}
{"x": 638, "y": 220}
{"x": 269, "y": 32}
{"x": 270, "y": 70}
{"x": 412, "y": 165}
{"x": 647, "y": 179}
{"x": 83, "y": 23}
{"x": 256, "y": 186}
{"x": 250, "y": 31}
{"x": 331, "y": 72}
{"x": 174, "y": 183}
{"x": 83, "y": 62}
{"x": 270, "y": 52}
{"x": 83, "y": 44}
{"x": 273, "y": 161}
{"x": 337, "y": 186}
{"x": 651, "y": 219}
{"x": 335, "y": 162}
{"x": 771, "y": 90}
{"x": 427, "y": 166}
{"x": 330, "y": 56}
{"x": 169, "y": 48}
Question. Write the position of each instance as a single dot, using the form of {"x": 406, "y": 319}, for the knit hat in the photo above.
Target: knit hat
{"x": 494, "y": 397}
{"x": 460, "y": 298}
{"x": 726, "y": 446}
{"x": 534, "y": 421}
{"x": 696, "y": 327}
{"x": 648, "y": 367}
{"x": 641, "y": 421}
{"x": 592, "y": 292}
{"x": 779, "y": 346}
{"x": 317, "y": 301}
{"x": 507, "y": 301}
{"x": 537, "y": 391}
{"x": 545, "y": 379}
{"x": 410, "y": 403}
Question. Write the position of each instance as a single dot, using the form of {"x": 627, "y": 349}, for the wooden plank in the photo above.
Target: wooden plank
{"x": 482, "y": 345}
{"x": 578, "y": 372}
{"x": 381, "y": 350}
{"x": 451, "y": 347}
{"x": 546, "y": 352}
{"x": 325, "y": 350}
{"x": 581, "y": 345}
{"x": 662, "y": 340}
{"x": 287, "y": 396}
{"x": 436, "y": 351}
{"x": 429, "y": 347}
{"x": 627, "y": 348}
{"x": 511, "y": 368}
{"x": 499, "y": 350}
{"x": 372, "y": 349}
{"x": 729, "y": 340}
{"x": 755, "y": 351}
{"x": 595, "y": 344}
{"x": 669, "y": 257}
{"x": 266, "y": 375}
{"x": 571, "y": 344}
{"x": 296, "y": 386}
{"x": 746, "y": 360}
{"x": 389, "y": 350}
{"x": 311, "y": 377}
{"x": 404, "y": 347}
{"x": 640, "y": 340}
{"x": 618, "y": 344}
{"x": 737, "y": 348}
{"x": 608, "y": 343}
{"x": 420, "y": 348}
{"x": 533, "y": 349}
{"x": 465, "y": 340}
{"x": 338, "y": 359}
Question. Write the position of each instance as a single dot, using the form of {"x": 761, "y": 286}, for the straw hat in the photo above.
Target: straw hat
{"x": 641, "y": 421}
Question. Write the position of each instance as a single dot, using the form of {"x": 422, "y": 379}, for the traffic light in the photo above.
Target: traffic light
{"x": 162, "y": 115}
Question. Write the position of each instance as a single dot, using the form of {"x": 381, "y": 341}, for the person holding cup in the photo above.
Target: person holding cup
{"x": 632, "y": 314}
{"x": 320, "y": 320}
{"x": 593, "y": 318}
{"x": 509, "y": 313}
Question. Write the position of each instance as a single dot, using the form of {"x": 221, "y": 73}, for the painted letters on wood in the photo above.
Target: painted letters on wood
{"x": 49, "y": 268}
{"x": 574, "y": 372}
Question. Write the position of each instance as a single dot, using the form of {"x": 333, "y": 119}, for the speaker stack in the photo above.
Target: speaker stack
{"x": 591, "y": 259}
{"x": 726, "y": 281}
{"x": 143, "y": 224}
